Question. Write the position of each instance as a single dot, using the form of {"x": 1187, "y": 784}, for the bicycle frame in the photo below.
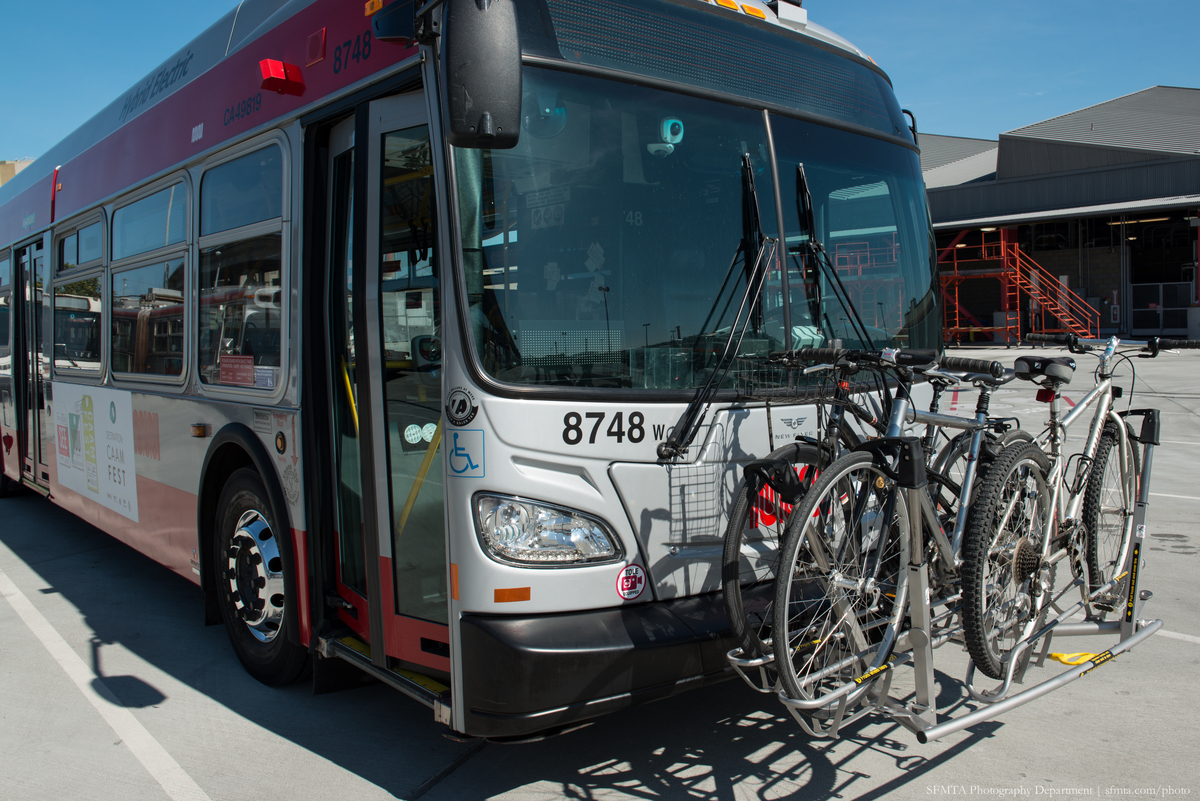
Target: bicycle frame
{"x": 1066, "y": 506}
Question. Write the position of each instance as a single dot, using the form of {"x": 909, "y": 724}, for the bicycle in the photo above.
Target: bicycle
{"x": 1029, "y": 517}
{"x": 848, "y": 545}
{"x": 770, "y": 487}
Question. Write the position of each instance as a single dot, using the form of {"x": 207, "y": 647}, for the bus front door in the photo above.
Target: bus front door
{"x": 385, "y": 355}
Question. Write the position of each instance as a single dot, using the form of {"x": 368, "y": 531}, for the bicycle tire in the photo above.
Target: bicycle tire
{"x": 1003, "y": 548}
{"x": 748, "y": 589}
{"x": 1108, "y": 504}
{"x": 951, "y": 462}
{"x": 837, "y": 616}
{"x": 750, "y": 557}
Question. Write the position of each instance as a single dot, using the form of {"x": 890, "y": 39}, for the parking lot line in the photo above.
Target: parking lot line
{"x": 161, "y": 766}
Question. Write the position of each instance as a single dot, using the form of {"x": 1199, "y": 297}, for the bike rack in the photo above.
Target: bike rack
{"x": 916, "y": 645}
{"x": 761, "y": 665}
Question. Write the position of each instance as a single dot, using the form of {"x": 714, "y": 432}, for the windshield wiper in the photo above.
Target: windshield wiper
{"x": 816, "y": 249}
{"x": 752, "y": 251}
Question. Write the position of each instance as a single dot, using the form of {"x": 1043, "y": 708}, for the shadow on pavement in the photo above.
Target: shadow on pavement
{"x": 719, "y": 742}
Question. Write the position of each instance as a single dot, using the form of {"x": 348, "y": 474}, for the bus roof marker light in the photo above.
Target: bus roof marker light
{"x": 730, "y": 4}
{"x": 754, "y": 12}
{"x": 278, "y": 76}
{"x": 371, "y": 7}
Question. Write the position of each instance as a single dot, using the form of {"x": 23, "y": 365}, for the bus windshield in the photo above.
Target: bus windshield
{"x": 609, "y": 248}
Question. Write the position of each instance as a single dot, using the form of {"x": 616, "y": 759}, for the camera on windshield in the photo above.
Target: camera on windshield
{"x": 671, "y": 130}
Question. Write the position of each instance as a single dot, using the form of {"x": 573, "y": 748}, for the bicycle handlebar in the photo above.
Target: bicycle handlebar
{"x": 1179, "y": 344}
{"x": 905, "y": 358}
{"x": 1058, "y": 339}
{"x": 994, "y": 369}
{"x": 916, "y": 358}
{"x": 818, "y": 354}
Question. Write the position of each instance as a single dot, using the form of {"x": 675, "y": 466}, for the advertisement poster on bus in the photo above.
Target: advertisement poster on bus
{"x": 95, "y": 445}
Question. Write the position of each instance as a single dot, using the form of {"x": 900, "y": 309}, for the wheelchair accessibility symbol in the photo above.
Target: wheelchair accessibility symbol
{"x": 466, "y": 454}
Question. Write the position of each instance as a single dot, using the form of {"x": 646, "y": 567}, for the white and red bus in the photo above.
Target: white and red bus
{"x": 378, "y": 327}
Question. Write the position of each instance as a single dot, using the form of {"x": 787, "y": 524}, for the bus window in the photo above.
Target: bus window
{"x": 91, "y": 242}
{"x": 77, "y": 325}
{"x": 240, "y": 308}
{"x": 150, "y": 223}
{"x": 241, "y": 192}
{"x": 868, "y": 210}
{"x": 147, "y": 319}
{"x": 4, "y": 320}
{"x": 5, "y": 316}
{"x": 68, "y": 253}
{"x": 83, "y": 247}
{"x": 241, "y": 281}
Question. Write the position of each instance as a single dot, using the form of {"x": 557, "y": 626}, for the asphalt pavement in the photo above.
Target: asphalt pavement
{"x": 111, "y": 688}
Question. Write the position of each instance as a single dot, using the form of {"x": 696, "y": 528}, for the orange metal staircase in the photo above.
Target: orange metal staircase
{"x": 1031, "y": 299}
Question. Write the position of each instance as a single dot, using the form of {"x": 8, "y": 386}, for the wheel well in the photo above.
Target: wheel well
{"x": 221, "y": 464}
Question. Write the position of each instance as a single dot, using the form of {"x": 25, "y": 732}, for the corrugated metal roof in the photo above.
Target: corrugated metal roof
{"x": 1162, "y": 119}
{"x": 938, "y": 151}
{"x": 964, "y": 171}
{"x": 1179, "y": 201}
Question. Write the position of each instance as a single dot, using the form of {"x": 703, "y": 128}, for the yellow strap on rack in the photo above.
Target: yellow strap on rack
{"x": 1073, "y": 659}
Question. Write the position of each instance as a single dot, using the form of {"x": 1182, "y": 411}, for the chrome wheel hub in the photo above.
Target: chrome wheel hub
{"x": 254, "y": 570}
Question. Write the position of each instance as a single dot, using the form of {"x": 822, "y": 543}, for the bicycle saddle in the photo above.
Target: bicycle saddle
{"x": 1058, "y": 369}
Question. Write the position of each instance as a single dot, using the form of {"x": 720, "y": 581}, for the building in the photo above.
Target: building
{"x": 1084, "y": 222}
{"x": 10, "y": 168}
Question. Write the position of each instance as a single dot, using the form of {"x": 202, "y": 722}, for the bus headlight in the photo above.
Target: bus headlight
{"x": 525, "y": 532}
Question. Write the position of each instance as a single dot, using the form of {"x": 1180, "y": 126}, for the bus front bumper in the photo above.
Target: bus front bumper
{"x": 524, "y": 675}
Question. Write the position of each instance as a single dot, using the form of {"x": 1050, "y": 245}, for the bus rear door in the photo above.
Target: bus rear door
{"x": 31, "y": 368}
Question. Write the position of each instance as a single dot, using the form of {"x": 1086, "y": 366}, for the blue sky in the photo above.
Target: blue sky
{"x": 978, "y": 69}
{"x": 964, "y": 67}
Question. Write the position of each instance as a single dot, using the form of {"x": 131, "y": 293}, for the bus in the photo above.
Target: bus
{"x": 404, "y": 332}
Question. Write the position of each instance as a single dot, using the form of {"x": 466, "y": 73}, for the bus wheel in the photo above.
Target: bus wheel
{"x": 252, "y": 583}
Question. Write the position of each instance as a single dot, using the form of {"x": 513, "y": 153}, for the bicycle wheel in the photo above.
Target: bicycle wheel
{"x": 951, "y": 462}
{"x": 845, "y": 558}
{"x": 1108, "y": 505}
{"x": 752, "y": 549}
{"x": 1003, "y": 548}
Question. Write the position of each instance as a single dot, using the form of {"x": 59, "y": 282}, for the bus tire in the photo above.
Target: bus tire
{"x": 252, "y": 581}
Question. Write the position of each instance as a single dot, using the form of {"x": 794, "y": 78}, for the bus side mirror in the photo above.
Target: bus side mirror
{"x": 427, "y": 359}
{"x": 482, "y": 67}
{"x": 396, "y": 23}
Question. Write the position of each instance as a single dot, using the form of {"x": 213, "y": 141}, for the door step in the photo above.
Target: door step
{"x": 428, "y": 691}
